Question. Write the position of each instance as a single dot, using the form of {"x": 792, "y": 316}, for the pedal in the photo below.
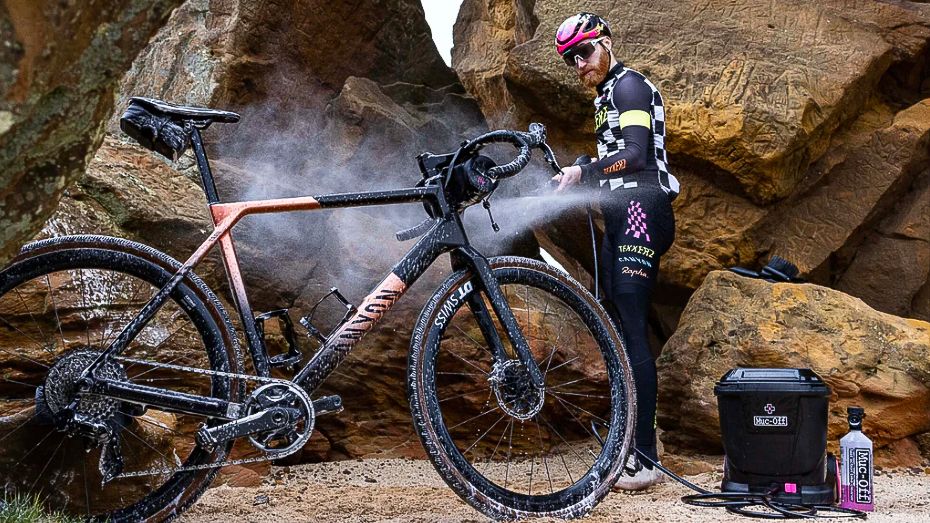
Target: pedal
{"x": 307, "y": 321}
{"x": 292, "y": 358}
{"x": 327, "y": 405}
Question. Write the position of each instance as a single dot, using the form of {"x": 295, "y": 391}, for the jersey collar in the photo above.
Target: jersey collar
{"x": 611, "y": 75}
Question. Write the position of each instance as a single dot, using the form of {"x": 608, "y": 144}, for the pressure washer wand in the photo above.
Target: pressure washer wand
{"x": 582, "y": 160}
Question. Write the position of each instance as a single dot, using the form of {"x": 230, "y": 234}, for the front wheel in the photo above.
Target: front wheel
{"x": 507, "y": 448}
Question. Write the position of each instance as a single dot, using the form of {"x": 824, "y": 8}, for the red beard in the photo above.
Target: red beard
{"x": 593, "y": 74}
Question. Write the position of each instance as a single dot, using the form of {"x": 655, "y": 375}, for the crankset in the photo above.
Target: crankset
{"x": 278, "y": 419}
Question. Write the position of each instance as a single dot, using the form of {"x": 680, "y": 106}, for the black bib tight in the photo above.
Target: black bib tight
{"x": 639, "y": 228}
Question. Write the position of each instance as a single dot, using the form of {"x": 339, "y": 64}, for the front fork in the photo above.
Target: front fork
{"x": 468, "y": 256}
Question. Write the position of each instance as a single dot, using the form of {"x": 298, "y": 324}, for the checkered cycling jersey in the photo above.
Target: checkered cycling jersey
{"x": 629, "y": 120}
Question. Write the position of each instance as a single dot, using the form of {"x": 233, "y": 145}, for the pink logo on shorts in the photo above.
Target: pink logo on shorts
{"x": 636, "y": 219}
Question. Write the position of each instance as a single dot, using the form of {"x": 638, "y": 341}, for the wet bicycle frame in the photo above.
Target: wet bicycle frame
{"x": 446, "y": 234}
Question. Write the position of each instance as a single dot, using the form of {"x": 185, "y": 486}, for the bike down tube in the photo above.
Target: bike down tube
{"x": 441, "y": 238}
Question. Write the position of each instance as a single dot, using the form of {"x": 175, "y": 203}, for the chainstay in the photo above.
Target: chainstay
{"x": 242, "y": 461}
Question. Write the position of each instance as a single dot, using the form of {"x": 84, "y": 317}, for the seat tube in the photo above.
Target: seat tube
{"x": 206, "y": 175}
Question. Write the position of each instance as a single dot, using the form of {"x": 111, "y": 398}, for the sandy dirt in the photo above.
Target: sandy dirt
{"x": 392, "y": 490}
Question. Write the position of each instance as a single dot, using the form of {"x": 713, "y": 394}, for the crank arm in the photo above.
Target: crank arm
{"x": 267, "y": 420}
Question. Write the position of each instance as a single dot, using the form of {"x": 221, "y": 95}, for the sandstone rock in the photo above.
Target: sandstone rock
{"x": 760, "y": 112}
{"x": 893, "y": 262}
{"x": 61, "y": 63}
{"x": 485, "y": 32}
{"x": 868, "y": 358}
{"x": 863, "y": 169}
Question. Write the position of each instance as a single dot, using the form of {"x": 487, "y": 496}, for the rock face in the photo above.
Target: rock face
{"x": 59, "y": 65}
{"x": 797, "y": 135}
{"x": 871, "y": 359}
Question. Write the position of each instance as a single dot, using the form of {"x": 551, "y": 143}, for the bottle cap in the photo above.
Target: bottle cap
{"x": 855, "y": 415}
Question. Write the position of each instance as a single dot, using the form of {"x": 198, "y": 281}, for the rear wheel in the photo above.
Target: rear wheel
{"x": 507, "y": 448}
{"x": 62, "y": 302}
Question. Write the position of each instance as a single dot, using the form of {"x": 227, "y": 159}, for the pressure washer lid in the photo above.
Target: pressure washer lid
{"x": 742, "y": 380}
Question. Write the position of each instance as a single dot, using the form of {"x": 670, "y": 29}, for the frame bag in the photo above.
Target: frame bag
{"x": 155, "y": 131}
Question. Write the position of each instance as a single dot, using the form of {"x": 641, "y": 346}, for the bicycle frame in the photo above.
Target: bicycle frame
{"x": 446, "y": 235}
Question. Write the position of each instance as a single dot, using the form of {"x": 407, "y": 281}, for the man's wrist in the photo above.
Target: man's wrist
{"x": 587, "y": 171}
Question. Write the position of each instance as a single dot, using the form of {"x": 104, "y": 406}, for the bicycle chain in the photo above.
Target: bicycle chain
{"x": 243, "y": 461}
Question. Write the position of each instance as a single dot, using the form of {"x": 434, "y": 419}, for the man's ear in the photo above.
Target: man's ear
{"x": 606, "y": 41}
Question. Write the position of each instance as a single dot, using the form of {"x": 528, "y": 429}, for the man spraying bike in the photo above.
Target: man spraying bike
{"x": 636, "y": 190}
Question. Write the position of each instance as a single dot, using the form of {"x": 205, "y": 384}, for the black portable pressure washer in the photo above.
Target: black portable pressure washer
{"x": 773, "y": 423}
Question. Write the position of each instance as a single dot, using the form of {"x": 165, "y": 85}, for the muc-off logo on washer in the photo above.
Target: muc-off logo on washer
{"x": 770, "y": 420}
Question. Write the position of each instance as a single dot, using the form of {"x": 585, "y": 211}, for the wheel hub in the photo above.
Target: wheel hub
{"x": 61, "y": 386}
{"x": 514, "y": 389}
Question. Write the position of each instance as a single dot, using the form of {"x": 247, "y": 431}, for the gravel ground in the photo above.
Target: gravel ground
{"x": 392, "y": 490}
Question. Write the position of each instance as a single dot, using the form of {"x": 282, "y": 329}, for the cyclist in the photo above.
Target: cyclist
{"x": 636, "y": 190}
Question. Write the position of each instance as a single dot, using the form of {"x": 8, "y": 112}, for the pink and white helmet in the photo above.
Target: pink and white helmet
{"x": 577, "y": 28}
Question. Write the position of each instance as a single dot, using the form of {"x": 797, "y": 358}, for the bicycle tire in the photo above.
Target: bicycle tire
{"x": 107, "y": 257}
{"x": 477, "y": 488}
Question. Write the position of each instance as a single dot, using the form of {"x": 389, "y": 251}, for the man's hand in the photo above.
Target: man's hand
{"x": 569, "y": 176}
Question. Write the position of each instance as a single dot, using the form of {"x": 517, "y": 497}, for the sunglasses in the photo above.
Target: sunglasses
{"x": 581, "y": 52}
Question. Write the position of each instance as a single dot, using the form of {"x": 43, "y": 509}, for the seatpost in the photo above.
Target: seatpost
{"x": 209, "y": 187}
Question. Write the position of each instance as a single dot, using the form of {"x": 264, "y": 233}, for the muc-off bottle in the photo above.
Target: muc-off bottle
{"x": 856, "y": 490}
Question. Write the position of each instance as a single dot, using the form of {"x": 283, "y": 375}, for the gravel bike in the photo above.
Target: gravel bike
{"x": 123, "y": 388}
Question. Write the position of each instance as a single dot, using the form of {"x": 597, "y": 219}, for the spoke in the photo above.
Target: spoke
{"x": 564, "y": 363}
{"x": 38, "y": 345}
{"x": 598, "y": 396}
{"x": 460, "y": 373}
{"x": 555, "y": 347}
{"x": 34, "y": 447}
{"x": 526, "y": 303}
{"x": 532, "y": 465}
{"x": 509, "y": 451}
{"x": 34, "y": 320}
{"x": 84, "y": 305}
{"x": 466, "y": 361}
{"x": 51, "y": 295}
{"x": 557, "y": 433}
{"x": 154, "y": 368}
{"x": 86, "y": 490}
{"x": 473, "y": 340}
{"x": 567, "y": 383}
{"x": 20, "y": 383}
{"x": 499, "y": 440}
{"x": 464, "y": 394}
{"x": 481, "y": 437}
{"x": 473, "y": 418}
{"x": 588, "y": 429}
{"x": 160, "y": 425}
{"x": 589, "y": 413}
{"x": 106, "y": 339}
{"x": 47, "y": 463}
{"x": 146, "y": 443}
{"x": 21, "y": 425}
{"x": 543, "y": 453}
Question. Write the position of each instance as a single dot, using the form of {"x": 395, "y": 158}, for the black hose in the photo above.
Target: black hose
{"x": 741, "y": 502}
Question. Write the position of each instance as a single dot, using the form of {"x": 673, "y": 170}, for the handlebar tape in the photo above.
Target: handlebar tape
{"x": 524, "y": 141}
